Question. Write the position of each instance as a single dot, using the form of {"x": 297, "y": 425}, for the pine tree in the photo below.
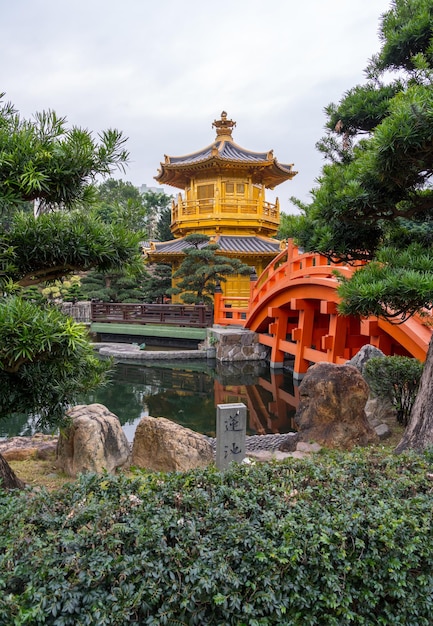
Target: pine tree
{"x": 374, "y": 199}
{"x": 46, "y": 360}
{"x": 202, "y": 269}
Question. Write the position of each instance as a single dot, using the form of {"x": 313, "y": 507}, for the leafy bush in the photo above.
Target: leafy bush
{"x": 335, "y": 540}
{"x": 46, "y": 361}
{"x": 397, "y": 379}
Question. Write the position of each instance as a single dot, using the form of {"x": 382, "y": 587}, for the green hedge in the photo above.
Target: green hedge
{"x": 335, "y": 539}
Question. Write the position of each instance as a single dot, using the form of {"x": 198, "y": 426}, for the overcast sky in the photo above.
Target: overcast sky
{"x": 163, "y": 71}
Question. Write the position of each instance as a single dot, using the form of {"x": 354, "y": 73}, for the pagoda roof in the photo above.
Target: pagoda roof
{"x": 244, "y": 244}
{"x": 225, "y": 154}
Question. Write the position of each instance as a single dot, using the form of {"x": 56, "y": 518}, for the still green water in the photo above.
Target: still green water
{"x": 188, "y": 392}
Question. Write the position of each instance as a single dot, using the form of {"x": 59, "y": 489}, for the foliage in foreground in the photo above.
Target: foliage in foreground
{"x": 338, "y": 539}
{"x": 47, "y": 232}
{"x": 47, "y": 354}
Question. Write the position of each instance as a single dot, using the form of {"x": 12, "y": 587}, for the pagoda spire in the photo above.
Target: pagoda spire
{"x": 223, "y": 128}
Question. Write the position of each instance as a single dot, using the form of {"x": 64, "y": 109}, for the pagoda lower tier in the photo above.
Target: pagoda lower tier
{"x": 254, "y": 250}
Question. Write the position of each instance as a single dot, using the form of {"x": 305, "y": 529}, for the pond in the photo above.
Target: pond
{"x": 188, "y": 392}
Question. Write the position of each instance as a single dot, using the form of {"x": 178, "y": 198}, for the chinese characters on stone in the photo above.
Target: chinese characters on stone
{"x": 231, "y": 433}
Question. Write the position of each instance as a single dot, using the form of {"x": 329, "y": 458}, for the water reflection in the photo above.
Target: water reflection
{"x": 17, "y": 425}
{"x": 188, "y": 392}
{"x": 271, "y": 398}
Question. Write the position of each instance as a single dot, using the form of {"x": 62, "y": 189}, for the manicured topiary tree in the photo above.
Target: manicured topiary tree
{"x": 202, "y": 269}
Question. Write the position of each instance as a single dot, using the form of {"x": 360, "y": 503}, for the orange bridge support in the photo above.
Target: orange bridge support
{"x": 293, "y": 308}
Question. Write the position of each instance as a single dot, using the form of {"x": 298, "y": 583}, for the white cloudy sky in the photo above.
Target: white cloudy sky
{"x": 162, "y": 71}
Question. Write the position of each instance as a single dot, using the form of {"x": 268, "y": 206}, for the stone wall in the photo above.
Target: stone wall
{"x": 236, "y": 344}
{"x": 79, "y": 311}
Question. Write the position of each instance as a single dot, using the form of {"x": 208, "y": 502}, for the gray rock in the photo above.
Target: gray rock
{"x": 298, "y": 454}
{"x": 164, "y": 446}
{"x": 380, "y": 410}
{"x": 383, "y": 431}
{"x": 361, "y": 358}
{"x": 304, "y": 446}
{"x": 21, "y": 448}
{"x": 94, "y": 442}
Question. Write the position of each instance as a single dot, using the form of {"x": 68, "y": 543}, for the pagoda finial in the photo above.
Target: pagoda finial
{"x": 223, "y": 126}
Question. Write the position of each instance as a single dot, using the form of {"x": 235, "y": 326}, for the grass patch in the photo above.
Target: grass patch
{"x": 40, "y": 473}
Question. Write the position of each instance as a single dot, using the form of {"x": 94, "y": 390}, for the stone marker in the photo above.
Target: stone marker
{"x": 231, "y": 431}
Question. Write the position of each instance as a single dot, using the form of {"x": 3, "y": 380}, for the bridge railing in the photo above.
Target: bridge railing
{"x": 292, "y": 263}
{"x": 198, "y": 315}
{"x": 230, "y": 310}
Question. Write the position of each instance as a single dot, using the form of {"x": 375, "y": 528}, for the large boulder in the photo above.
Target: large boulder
{"x": 164, "y": 446}
{"x": 331, "y": 410}
{"x": 93, "y": 442}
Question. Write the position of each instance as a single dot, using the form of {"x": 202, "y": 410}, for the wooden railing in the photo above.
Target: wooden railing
{"x": 184, "y": 209}
{"x": 199, "y": 316}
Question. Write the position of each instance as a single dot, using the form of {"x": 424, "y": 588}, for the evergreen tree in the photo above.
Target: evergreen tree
{"x": 115, "y": 286}
{"x": 163, "y": 231}
{"x": 46, "y": 360}
{"x": 50, "y": 165}
{"x": 374, "y": 199}
{"x": 202, "y": 269}
{"x": 158, "y": 208}
{"x": 157, "y": 285}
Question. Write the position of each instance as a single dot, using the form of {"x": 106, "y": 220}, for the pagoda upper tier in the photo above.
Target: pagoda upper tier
{"x": 224, "y": 154}
{"x": 224, "y": 187}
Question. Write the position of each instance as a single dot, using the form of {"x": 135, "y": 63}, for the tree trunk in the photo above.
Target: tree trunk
{"x": 419, "y": 432}
{"x": 8, "y": 479}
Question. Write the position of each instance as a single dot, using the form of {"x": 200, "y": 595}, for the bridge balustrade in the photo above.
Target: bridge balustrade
{"x": 292, "y": 263}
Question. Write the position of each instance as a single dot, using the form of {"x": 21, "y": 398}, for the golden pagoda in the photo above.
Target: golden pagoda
{"x": 224, "y": 197}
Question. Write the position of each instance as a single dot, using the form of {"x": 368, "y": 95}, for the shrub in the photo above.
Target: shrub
{"x": 335, "y": 540}
{"x": 397, "y": 379}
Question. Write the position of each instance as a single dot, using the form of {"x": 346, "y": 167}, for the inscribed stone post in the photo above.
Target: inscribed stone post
{"x": 231, "y": 433}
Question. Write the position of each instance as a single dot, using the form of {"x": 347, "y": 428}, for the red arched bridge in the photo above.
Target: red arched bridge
{"x": 293, "y": 308}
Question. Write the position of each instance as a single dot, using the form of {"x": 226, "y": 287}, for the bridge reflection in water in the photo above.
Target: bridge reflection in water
{"x": 187, "y": 392}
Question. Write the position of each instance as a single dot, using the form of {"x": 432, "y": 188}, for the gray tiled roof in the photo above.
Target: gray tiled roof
{"x": 228, "y": 151}
{"x": 196, "y": 157}
{"x": 234, "y": 152}
{"x": 249, "y": 245}
{"x": 227, "y": 243}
